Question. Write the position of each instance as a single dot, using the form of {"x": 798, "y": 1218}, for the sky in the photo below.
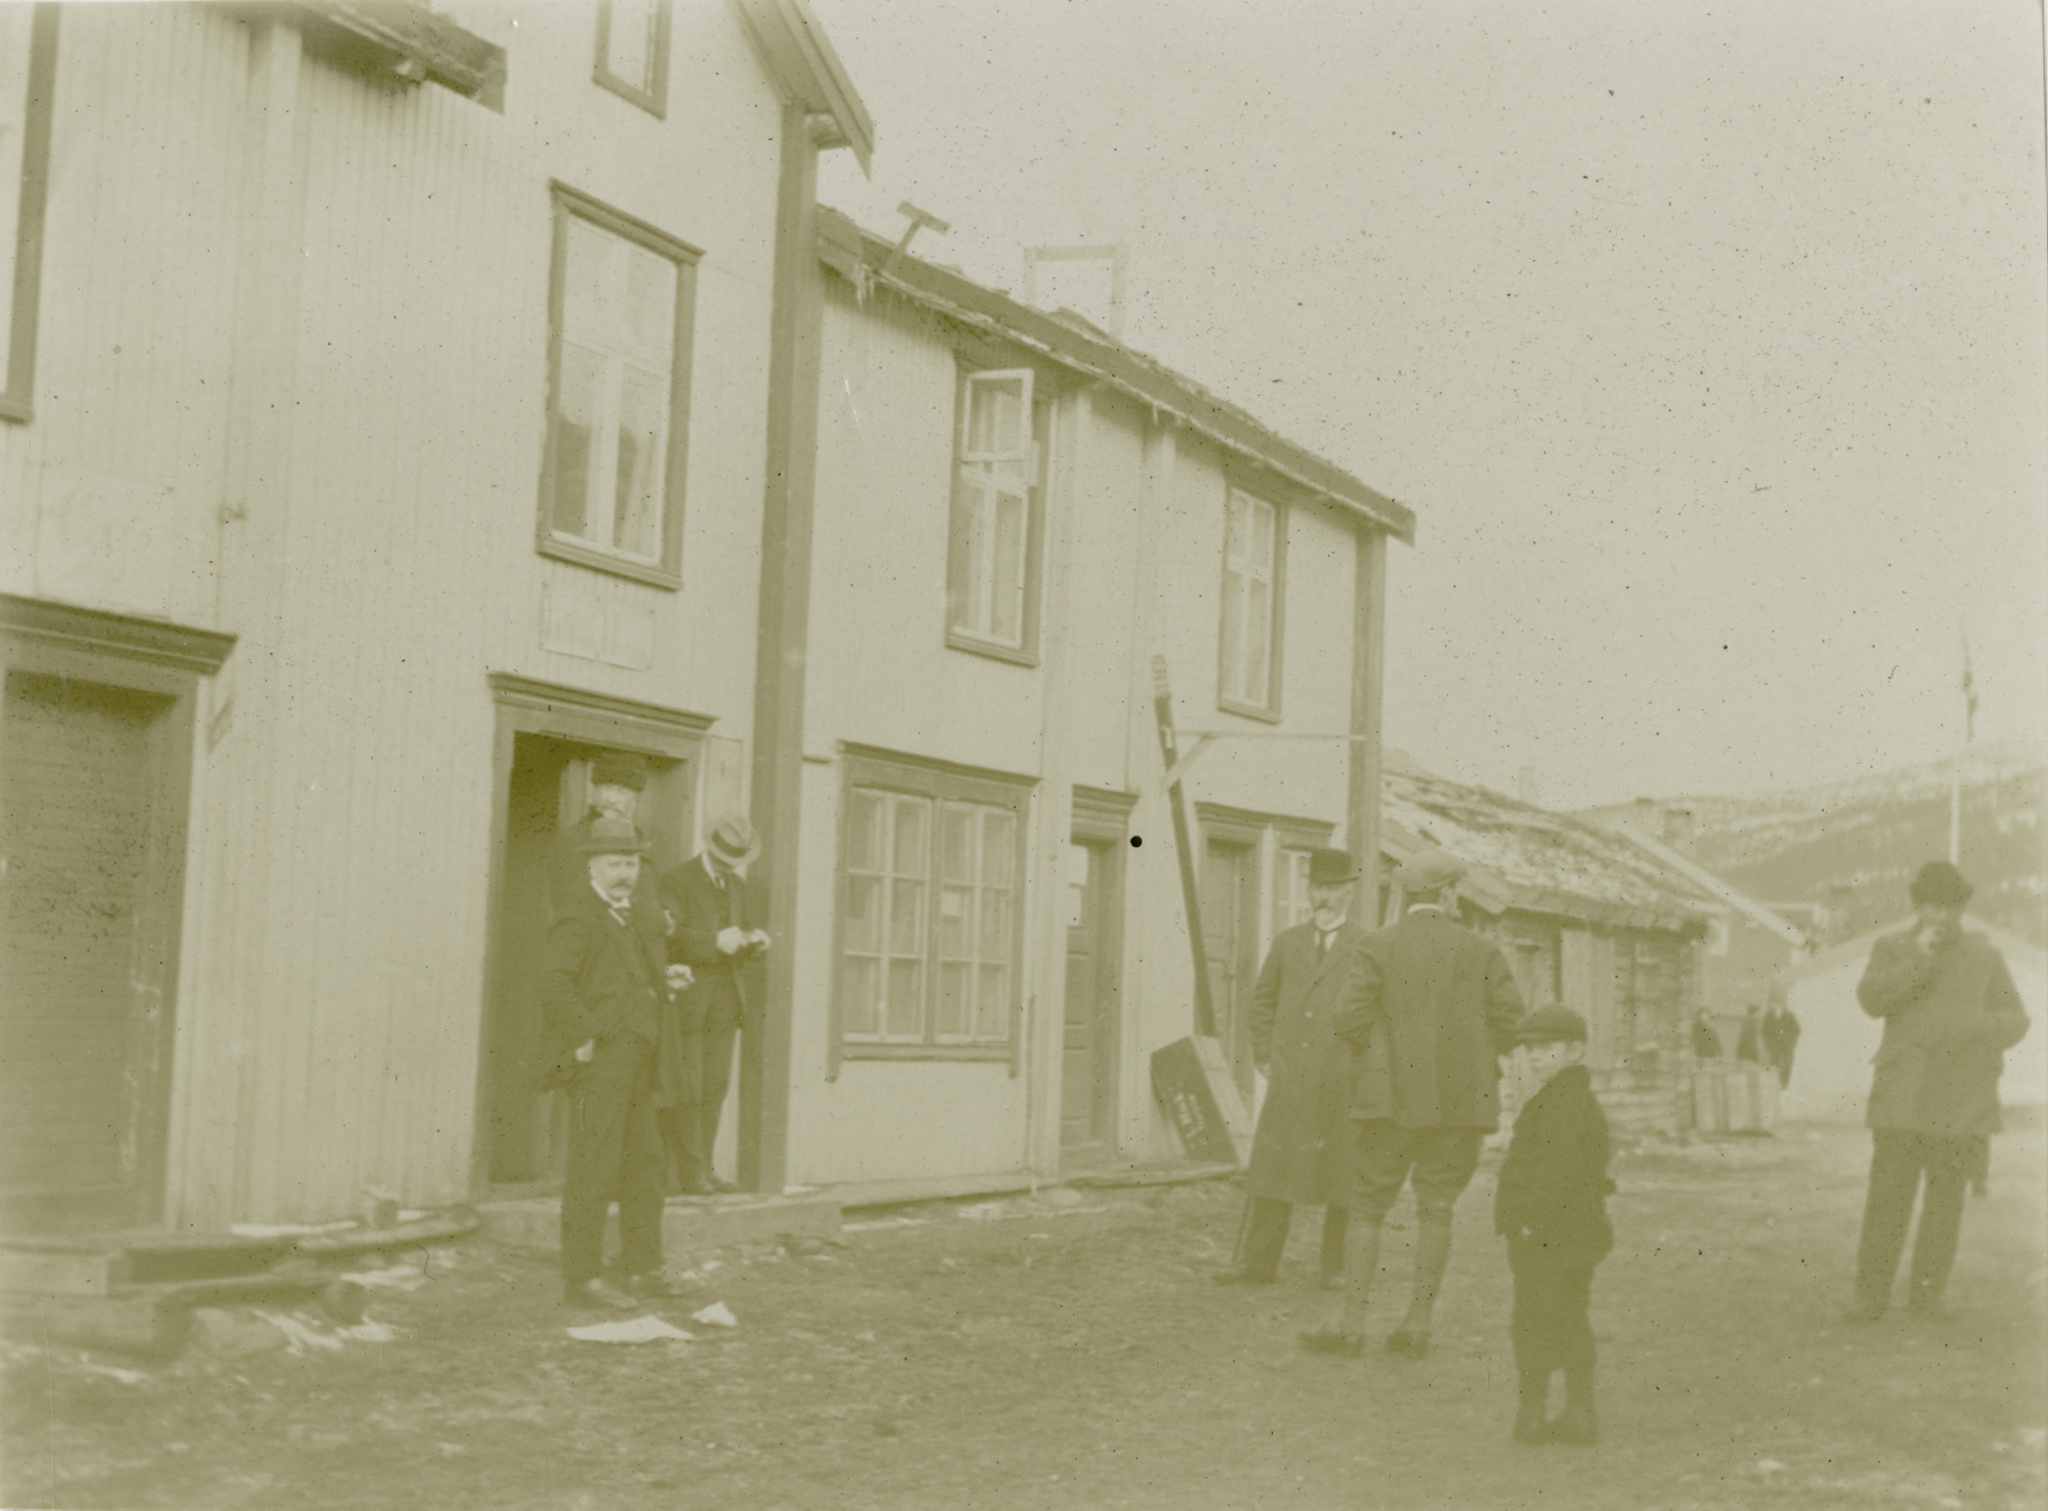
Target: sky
{"x": 1707, "y": 341}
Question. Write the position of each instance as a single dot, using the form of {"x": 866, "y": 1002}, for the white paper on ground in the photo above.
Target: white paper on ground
{"x": 715, "y": 1315}
{"x": 638, "y": 1330}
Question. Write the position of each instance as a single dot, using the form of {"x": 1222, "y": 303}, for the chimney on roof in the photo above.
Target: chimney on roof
{"x": 1678, "y": 830}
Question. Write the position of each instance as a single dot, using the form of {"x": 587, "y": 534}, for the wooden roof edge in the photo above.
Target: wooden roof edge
{"x": 803, "y": 61}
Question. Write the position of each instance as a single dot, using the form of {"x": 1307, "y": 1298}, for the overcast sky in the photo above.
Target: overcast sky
{"x": 1706, "y": 340}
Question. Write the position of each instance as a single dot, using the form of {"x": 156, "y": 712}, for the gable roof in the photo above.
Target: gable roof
{"x": 866, "y": 260}
{"x": 1701, "y": 877}
{"x": 803, "y": 61}
{"x": 1527, "y": 858}
{"x": 2019, "y": 954}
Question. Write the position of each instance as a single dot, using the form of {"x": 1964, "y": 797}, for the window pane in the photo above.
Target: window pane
{"x": 1258, "y": 653}
{"x": 864, "y": 831}
{"x": 859, "y": 1005}
{"x": 955, "y": 914}
{"x": 1006, "y": 586}
{"x": 906, "y": 998}
{"x": 648, "y": 332}
{"x": 993, "y": 1006}
{"x": 1231, "y": 673}
{"x": 955, "y": 1010}
{"x": 994, "y": 943}
{"x": 630, "y": 43}
{"x": 570, "y": 452}
{"x": 590, "y": 278}
{"x": 1261, "y": 525}
{"x": 995, "y": 416}
{"x": 906, "y": 917}
{"x": 998, "y": 847}
{"x": 1235, "y": 530}
{"x": 643, "y": 397}
{"x": 863, "y": 931}
{"x": 957, "y": 853}
{"x": 908, "y": 857}
{"x": 970, "y": 595}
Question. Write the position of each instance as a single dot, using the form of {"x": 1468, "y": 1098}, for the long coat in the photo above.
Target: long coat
{"x": 600, "y": 978}
{"x": 1554, "y": 1184}
{"x": 1443, "y": 1002}
{"x": 702, "y": 907}
{"x": 1302, "y": 1152}
{"x": 1948, "y": 1017}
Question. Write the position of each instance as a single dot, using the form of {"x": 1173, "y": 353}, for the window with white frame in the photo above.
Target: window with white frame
{"x": 632, "y": 51}
{"x": 1253, "y": 550}
{"x": 28, "y": 49}
{"x": 930, "y": 896}
{"x": 618, "y": 404}
{"x": 992, "y": 555}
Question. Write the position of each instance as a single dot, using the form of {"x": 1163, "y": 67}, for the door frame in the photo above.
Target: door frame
{"x": 1102, "y": 818}
{"x": 167, "y": 661}
{"x": 1231, "y": 831}
{"x": 526, "y": 705}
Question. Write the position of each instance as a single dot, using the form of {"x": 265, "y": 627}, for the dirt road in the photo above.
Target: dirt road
{"x": 1012, "y": 1355}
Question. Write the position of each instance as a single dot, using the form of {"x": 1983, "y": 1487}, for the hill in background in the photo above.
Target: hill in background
{"x": 1850, "y": 848}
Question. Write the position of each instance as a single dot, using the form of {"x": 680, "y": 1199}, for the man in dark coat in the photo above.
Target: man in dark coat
{"x": 1430, "y": 1007}
{"x": 1551, "y": 1206}
{"x": 603, "y": 990}
{"x": 707, "y": 897}
{"x": 1302, "y": 1151}
{"x": 1781, "y": 1035}
{"x": 1950, "y": 1012}
{"x": 617, "y": 778}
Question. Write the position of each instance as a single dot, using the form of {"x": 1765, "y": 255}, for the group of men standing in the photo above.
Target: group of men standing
{"x": 643, "y": 997}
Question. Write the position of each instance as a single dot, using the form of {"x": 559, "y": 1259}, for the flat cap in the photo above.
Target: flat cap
{"x": 1940, "y": 884}
{"x": 1550, "y": 1023}
{"x": 1426, "y": 870}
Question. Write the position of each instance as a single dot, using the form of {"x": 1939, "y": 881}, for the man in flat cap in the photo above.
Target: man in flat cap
{"x": 1430, "y": 1007}
{"x": 1302, "y": 1152}
{"x": 604, "y": 988}
{"x": 707, "y": 897}
{"x": 1950, "y": 1012}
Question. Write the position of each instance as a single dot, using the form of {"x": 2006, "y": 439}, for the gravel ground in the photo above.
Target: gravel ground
{"x": 1014, "y": 1354}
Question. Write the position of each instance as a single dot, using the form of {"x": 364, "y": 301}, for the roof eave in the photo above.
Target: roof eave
{"x": 804, "y": 63}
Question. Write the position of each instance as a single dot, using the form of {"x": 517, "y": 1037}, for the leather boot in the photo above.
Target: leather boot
{"x": 1432, "y": 1254}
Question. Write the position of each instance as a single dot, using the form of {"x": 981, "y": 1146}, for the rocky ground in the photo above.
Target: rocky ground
{"x": 1018, "y": 1353}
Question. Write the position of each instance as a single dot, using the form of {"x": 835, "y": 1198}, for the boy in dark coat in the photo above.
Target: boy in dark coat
{"x": 1552, "y": 1208}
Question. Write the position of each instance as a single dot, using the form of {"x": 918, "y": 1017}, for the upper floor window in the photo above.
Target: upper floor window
{"x": 1254, "y": 549}
{"x": 998, "y": 491}
{"x": 632, "y": 51}
{"x": 618, "y": 407}
{"x": 931, "y": 888}
{"x": 28, "y": 66}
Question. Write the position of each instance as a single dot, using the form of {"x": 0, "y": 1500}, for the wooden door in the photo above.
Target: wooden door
{"x": 1229, "y": 940}
{"x": 86, "y": 942}
{"x": 1089, "y": 1044}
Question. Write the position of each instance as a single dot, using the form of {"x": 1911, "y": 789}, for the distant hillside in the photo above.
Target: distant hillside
{"x": 1851, "y": 847}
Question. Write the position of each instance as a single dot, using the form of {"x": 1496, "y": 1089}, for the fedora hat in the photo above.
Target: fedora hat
{"x": 1330, "y": 868}
{"x": 733, "y": 842}
{"x": 613, "y": 836}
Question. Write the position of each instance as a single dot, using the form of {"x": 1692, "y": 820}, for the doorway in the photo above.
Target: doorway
{"x": 1230, "y": 921}
{"x": 1088, "y": 1046}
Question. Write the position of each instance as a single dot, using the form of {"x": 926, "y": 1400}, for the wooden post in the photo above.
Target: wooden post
{"x": 1190, "y": 886}
{"x": 1368, "y": 656}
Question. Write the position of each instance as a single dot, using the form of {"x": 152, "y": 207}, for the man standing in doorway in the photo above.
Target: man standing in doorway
{"x": 604, "y": 989}
{"x": 617, "y": 778}
{"x": 1302, "y": 1153}
{"x": 1950, "y": 1012}
{"x": 1437, "y": 1003}
{"x": 706, "y": 895}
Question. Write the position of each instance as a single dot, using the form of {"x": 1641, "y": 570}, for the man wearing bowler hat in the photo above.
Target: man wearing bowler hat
{"x": 707, "y": 897}
{"x": 604, "y": 989}
{"x": 1950, "y": 1013}
{"x": 617, "y": 778}
{"x": 1302, "y": 1152}
{"x": 1429, "y": 1008}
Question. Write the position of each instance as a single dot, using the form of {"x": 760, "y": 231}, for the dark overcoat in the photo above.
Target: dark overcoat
{"x": 1553, "y": 1184}
{"x": 1303, "y": 1149}
{"x": 600, "y": 978}
{"x": 1439, "y": 1002}
{"x": 700, "y": 908}
{"x": 1949, "y": 1017}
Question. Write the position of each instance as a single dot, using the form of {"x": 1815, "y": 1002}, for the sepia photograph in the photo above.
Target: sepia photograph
{"x": 1023, "y": 755}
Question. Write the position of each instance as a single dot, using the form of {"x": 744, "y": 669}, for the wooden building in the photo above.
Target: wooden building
{"x": 1587, "y": 919}
{"x": 1014, "y": 516}
{"x": 396, "y": 405}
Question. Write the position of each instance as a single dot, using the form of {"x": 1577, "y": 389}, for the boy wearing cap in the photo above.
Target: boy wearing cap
{"x": 707, "y": 897}
{"x": 1950, "y": 1012}
{"x": 1551, "y": 1206}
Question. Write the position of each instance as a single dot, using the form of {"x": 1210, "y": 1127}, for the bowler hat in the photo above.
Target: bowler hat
{"x": 613, "y": 836}
{"x": 1330, "y": 868}
{"x": 615, "y": 768}
{"x": 1427, "y": 870}
{"x": 1550, "y": 1023}
{"x": 1939, "y": 884}
{"x": 733, "y": 842}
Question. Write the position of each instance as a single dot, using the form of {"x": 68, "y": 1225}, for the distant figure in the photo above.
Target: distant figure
{"x": 1950, "y": 1012}
{"x": 1429, "y": 1008}
{"x": 1749, "y": 1044}
{"x": 1706, "y": 1044}
{"x": 1551, "y": 1206}
{"x": 1781, "y": 1037}
{"x": 1302, "y": 1152}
